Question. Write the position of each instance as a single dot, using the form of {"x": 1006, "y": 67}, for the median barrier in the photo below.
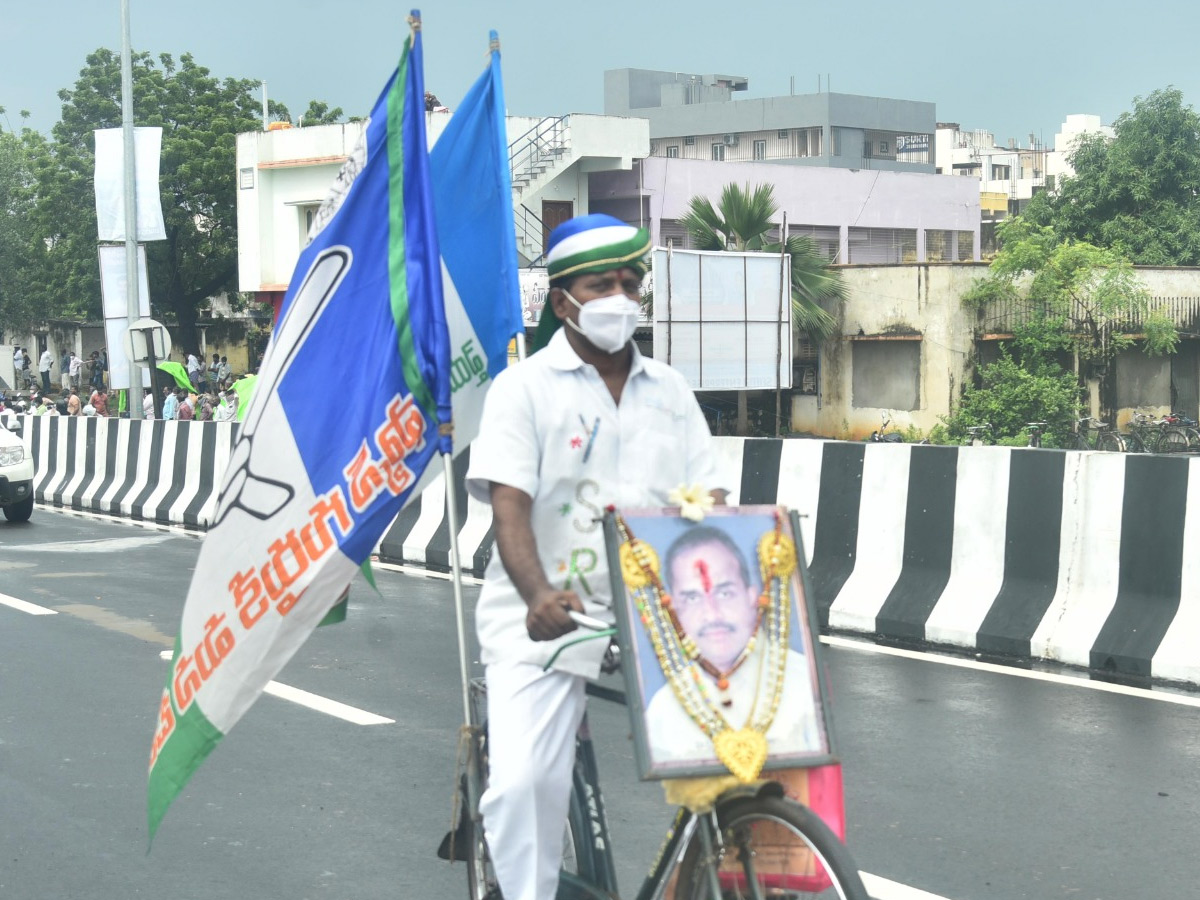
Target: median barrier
{"x": 1087, "y": 558}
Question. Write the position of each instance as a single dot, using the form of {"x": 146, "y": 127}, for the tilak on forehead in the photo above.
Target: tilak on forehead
{"x": 587, "y": 245}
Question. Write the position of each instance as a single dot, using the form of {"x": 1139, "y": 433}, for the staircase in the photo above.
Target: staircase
{"x": 535, "y": 158}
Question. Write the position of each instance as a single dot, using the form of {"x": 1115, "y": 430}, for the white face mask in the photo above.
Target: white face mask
{"x": 608, "y": 322}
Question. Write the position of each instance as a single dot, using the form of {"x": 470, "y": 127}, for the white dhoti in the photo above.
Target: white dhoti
{"x": 532, "y": 720}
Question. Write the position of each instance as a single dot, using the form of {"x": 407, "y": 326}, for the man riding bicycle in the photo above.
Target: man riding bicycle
{"x": 582, "y": 424}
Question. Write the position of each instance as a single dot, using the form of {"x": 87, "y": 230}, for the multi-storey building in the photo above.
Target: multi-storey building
{"x": 696, "y": 117}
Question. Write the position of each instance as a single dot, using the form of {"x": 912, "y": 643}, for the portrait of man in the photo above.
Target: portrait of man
{"x": 715, "y": 592}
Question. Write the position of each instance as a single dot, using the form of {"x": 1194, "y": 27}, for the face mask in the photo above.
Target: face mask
{"x": 608, "y": 322}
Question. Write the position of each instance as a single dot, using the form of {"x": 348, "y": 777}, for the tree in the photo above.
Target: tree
{"x": 1072, "y": 296}
{"x": 1138, "y": 194}
{"x": 742, "y": 221}
{"x": 200, "y": 116}
{"x": 20, "y": 249}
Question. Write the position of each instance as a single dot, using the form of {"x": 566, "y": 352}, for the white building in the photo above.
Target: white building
{"x": 284, "y": 175}
{"x": 1010, "y": 175}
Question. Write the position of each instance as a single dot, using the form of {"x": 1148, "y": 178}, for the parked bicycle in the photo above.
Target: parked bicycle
{"x": 1150, "y": 434}
{"x": 1036, "y": 430}
{"x": 1105, "y": 438}
{"x": 746, "y": 848}
{"x": 978, "y": 435}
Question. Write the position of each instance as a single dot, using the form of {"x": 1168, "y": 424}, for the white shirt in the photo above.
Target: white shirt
{"x": 45, "y": 362}
{"x": 539, "y": 420}
{"x": 674, "y": 737}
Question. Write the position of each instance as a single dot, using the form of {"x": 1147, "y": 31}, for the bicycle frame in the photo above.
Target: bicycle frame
{"x": 597, "y": 877}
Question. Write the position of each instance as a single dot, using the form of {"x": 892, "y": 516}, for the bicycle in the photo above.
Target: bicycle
{"x": 1105, "y": 439}
{"x": 979, "y": 434}
{"x": 1036, "y": 430}
{"x": 1148, "y": 434}
{"x": 731, "y": 853}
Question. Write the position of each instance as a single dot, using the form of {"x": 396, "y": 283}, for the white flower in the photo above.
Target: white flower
{"x": 693, "y": 501}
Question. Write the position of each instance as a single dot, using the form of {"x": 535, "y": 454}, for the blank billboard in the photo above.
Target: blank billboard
{"x": 724, "y": 320}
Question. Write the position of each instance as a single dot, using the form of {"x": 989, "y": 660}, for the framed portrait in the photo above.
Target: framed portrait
{"x": 718, "y": 642}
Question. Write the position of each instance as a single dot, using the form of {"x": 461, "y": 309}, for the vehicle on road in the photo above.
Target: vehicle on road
{"x": 16, "y": 472}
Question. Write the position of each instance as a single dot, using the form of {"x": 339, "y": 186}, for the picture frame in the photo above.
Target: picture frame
{"x": 712, "y": 575}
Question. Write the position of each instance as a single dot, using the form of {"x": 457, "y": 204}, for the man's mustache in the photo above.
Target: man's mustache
{"x": 716, "y": 626}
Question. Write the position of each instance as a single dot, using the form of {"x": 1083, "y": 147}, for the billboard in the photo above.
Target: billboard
{"x": 724, "y": 320}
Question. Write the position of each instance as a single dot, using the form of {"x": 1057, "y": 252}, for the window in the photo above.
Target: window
{"x": 885, "y": 374}
{"x": 718, "y": 151}
{"x": 245, "y": 179}
{"x": 672, "y": 151}
{"x": 885, "y": 147}
{"x": 881, "y": 246}
{"x": 783, "y": 134}
{"x": 308, "y": 212}
{"x": 1001, "y": 173}
{"x": 689, "y": 141}
{"x": 837, "y": 141}
{"x": 760, "y": 149}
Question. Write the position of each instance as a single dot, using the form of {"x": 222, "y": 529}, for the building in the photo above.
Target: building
{"x": 853, "y": 217}
{"x": 696, "y": 117}
{"x": 1010, "y": 175}
{"x": 284, "y": 175}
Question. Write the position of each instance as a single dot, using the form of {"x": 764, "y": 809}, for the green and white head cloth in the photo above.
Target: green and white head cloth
{"x": 586, "y": 245}
{"x": 595, "y": 243}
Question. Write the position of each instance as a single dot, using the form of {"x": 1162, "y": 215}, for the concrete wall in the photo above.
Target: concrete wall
{"x": 922, "y": 304}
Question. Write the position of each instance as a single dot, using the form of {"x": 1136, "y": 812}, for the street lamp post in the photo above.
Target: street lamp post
{"x": 131, "y": 223}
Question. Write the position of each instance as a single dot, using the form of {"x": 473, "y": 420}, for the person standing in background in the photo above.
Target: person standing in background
{"x": 45, "y": 364}
{"x": 76, "y": 367}
{"x": 64, "y": 371}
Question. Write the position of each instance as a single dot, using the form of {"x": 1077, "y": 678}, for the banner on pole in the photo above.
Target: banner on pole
{"x": 110, "y": 184}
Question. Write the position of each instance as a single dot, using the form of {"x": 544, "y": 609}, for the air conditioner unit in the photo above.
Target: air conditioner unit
{"x": 731, "y": 140}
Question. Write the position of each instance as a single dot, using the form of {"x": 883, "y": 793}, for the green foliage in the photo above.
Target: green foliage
{"x": 741, "y": 222}
{"x": 200, "y": 115}
{"x": 20, "y": 250}
{"x": 1012, "y": 392}
{"x": 1071, "y": 295}
{"x": 1138, "y": 194}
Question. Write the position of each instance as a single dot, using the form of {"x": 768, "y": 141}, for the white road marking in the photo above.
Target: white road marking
{"x": 422, "y": 573}
{"x": 24, "y": 606}
{"x": 884, "y": 889}
{"x": 1054, "y": 678}
{"x": 137, "y": 523}
{"x": 315, "y": 701}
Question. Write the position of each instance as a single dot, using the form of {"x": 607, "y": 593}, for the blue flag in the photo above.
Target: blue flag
{"x": 311, "y": 486}
{"x": 472, "y": 191}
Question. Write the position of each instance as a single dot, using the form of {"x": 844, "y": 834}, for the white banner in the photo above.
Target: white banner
{"x": 116, "y": 310}
{"x": 110, "y": 184}
{"x": 722, "y": 319}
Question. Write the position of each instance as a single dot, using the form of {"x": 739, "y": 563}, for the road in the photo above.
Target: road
{"x": 962, "y": 782}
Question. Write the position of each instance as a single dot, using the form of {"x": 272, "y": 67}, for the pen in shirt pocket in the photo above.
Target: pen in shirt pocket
{"x": 591, "y": 438}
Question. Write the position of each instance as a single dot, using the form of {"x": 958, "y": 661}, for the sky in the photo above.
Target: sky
{"x": 1013, "y": 69}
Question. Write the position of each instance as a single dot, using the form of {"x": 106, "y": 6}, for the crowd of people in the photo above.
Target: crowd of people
{"x": 210, "y": 395}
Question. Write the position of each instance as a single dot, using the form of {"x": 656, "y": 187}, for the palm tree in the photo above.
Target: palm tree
{"x": 742, "y": 221}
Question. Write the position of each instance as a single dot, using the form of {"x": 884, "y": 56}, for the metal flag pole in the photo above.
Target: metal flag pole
{"x": 456, "y": 579}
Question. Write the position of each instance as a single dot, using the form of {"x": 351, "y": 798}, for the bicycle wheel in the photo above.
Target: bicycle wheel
{"x": 771, "y": 847}
{"x": 1111, "y": 441}
{"x": 1134, "y": 444}
{"x": 1172, "y": 442}
{"x": 1193, "y": 437}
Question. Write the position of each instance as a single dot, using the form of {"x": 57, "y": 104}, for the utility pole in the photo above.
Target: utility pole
{"x": 131, "y": 223}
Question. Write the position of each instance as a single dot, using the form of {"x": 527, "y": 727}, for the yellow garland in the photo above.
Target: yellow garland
{"x": 638, "y": 559}
{"x": 776, "y": 556}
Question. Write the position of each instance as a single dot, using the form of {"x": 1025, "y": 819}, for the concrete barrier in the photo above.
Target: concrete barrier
{"x": 1088, "y": 558}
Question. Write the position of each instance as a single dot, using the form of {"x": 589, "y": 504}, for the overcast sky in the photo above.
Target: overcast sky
{"x": 1011, "y": 68}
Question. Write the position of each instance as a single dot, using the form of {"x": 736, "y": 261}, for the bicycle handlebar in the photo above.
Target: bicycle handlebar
{"x": 596, "y": 627}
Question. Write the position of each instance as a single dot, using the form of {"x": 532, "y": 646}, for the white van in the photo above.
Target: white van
{"x": 16, "y": 471}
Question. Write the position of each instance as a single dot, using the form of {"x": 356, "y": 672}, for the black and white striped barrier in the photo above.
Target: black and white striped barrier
{"x": 1091, "y": 559}
{"x": 165, "y": 472}
{"x": 1075, "y": 557}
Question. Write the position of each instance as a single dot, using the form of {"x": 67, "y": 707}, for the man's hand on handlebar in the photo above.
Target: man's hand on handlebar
{"x": 547, "y": 617}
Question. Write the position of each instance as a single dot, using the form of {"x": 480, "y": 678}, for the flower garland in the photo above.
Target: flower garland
{"x": 743, "y": 750}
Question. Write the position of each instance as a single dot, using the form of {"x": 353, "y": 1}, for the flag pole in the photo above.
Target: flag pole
{"x": 456, "y": 580}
